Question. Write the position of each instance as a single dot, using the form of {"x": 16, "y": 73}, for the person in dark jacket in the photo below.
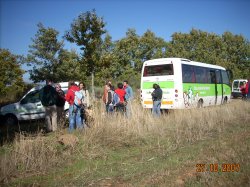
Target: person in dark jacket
{"x": 60, "y": 105}
{"x": 156, "y": 97}
{"x": 48, "y": 97}
{"x": 110, "y": 97}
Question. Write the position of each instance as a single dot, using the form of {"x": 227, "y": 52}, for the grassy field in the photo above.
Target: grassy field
{"x": 174, "y": 150}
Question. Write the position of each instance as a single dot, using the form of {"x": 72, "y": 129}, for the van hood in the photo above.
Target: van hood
{"x": 8, "y": 108}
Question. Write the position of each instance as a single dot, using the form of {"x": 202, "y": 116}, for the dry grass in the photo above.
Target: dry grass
{"x": 29, "y": 156}
{"x": 37, "y": 155}
{"x": 184, "y": 125}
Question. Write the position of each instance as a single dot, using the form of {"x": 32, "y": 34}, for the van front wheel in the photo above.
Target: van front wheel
{"x": 11, "y": 120}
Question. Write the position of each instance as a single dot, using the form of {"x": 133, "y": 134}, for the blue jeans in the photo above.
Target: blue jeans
{"x": 156, "y": 111}
{"x": 75, "y": 118}
{"x": 128, "y": 109}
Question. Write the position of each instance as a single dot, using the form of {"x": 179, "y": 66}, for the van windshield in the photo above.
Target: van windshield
{"x": 158, "y": 70}
{"x": 236, "y": 84}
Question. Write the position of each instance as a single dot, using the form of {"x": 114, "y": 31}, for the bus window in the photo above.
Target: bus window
{"x": 158, "y": 70}
{"x": 200, "y": 74}
{"x": 211, "y": 76}
{"x": 218, "y": 77}
{"x": 187, "y": 73}
{"x": 225, "y": 78}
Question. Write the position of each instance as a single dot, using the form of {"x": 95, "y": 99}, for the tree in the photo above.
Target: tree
{"x": 230, "y": 51}
{"x": 150, "y": 47}
{"x": 132, "y": 50}
{"x": 43, "y": 54}
{"x": 86, "y": 32}
{"x": 105, "y": 68}
{"x": 238, "y": 54}
{"x": 11, "y": 80}
{"x": 68, "y": 67}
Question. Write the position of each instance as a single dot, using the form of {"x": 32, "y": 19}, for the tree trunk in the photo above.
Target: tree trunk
{"x": 92, "y": 84}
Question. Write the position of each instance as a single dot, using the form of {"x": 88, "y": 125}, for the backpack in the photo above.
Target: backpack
{"x": 78, "y": 98}
{"x": 116, "y": 99}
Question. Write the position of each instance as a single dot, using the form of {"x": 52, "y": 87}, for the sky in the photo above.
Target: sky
{"x": 19, "y": 18}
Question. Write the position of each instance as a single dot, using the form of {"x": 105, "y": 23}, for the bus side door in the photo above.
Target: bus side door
{"x": 213, "y": 82}
{"x": 219, "y": 87}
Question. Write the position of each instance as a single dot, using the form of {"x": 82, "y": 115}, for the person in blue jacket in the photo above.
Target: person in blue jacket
{"x": 128, "y": 97}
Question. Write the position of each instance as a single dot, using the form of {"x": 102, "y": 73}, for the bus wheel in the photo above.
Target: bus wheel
{"x": 224, "y": 101}
{"x": 200, "y": 103}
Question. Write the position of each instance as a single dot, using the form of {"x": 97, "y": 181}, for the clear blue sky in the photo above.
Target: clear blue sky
{"x": 19, "y": 18}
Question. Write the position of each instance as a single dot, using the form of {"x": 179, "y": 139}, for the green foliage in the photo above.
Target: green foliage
{"x": 105, "y": 69}
{"x": 129, "y": 53}
{"x": 68, "y": 67}
{"x": 151, "y": 47}
{"x": 43, "y": 54}
{"x": 86, "y": 32}
{"x": 122, "y": 59}
{"x": 230, "y": 51}
{"x": 11, "y": 81}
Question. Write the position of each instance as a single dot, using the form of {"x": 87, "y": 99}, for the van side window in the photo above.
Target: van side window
{"x": 32, "y": 97}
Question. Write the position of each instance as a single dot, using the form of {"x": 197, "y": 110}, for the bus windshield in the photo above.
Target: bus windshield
{"x": 158, "y": 70}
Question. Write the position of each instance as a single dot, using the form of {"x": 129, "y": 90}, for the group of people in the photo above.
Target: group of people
{"x": 79, "y": 101}
{"x": 125, "y": 98}
{"x": 115, "y": 99}
{"x": 245, "y": 91}
{"x": 119, "y": 99}
{"x": 53, "y": 99}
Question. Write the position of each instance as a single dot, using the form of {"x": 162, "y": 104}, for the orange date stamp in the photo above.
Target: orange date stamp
{"x": 215, "y": 167}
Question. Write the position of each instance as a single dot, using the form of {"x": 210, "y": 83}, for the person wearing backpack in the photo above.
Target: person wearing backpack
{"x": 109, "y": 100}
{"x": 105, "y": 93}
{"x": 48, "y": 97}
{"x": 74, "y": 98}
{"x": 121, "y": 93}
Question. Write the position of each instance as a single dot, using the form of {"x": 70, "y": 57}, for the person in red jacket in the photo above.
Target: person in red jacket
{"x": 244, "y": 91}
{"x": 74, "y": 111}
{"x": 121, "y": 93}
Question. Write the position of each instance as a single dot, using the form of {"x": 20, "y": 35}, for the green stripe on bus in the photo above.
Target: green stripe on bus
{"x": 205, "y": 89}
{"x": 163, "y": 84}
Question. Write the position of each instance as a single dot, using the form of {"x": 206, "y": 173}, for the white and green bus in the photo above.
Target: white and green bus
{"x": 185, "y": 83}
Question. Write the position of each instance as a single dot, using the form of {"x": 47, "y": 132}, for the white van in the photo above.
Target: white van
{"x": 236, "y": 87}
{"x": 29, "y": 107}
